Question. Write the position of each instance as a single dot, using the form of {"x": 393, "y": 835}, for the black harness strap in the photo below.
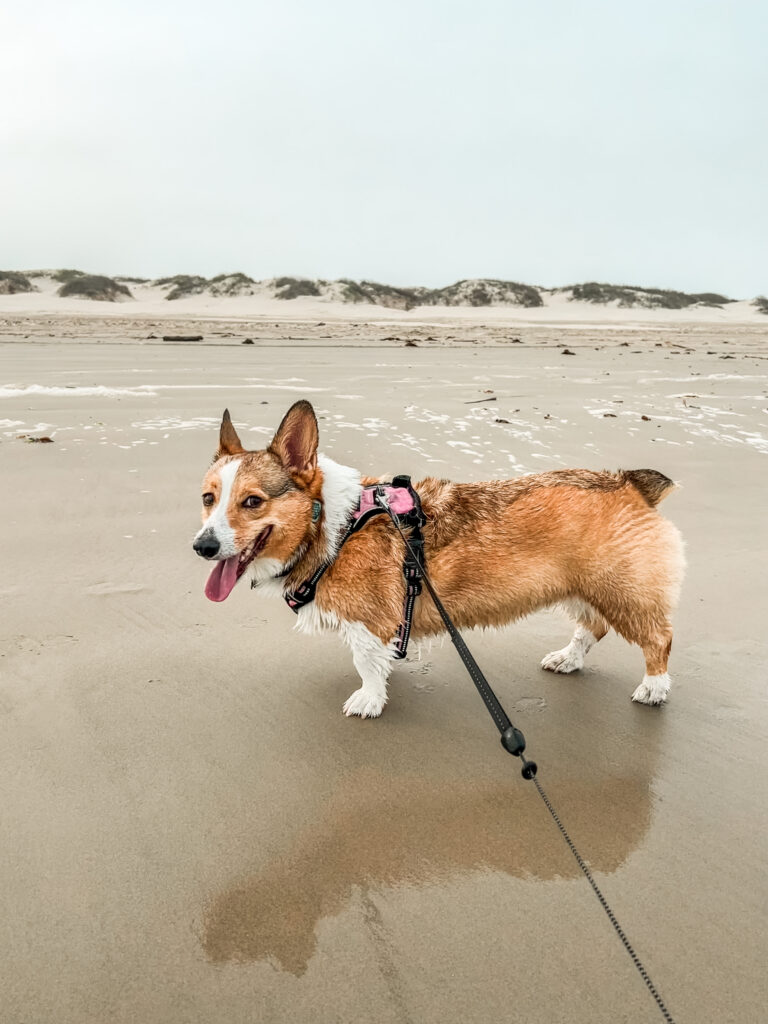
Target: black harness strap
{"x": 413, "y": 563}
{"x": 305, "y": 592}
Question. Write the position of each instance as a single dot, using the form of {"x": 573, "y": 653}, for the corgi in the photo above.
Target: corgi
{"x": 589, "y": 541}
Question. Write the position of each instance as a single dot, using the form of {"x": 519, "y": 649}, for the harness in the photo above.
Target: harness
{"x": 401, "y": 502}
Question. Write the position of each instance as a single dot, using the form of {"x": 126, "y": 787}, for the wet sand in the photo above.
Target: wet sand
{"x": 192, "y": 830}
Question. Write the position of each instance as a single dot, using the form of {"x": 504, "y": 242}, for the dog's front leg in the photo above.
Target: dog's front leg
{"x": 373, "y": 660}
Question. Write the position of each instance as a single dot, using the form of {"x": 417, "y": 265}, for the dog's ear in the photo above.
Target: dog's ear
{"x": 295, "y": 442}
{"x": 229, "y": 442}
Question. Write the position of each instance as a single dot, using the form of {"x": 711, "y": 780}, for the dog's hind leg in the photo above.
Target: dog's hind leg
{"x": 647, "y": 624}
{"x": 373, "y": 660}
{"x": 656, "y": 682}
{"x": 590, "y": 628}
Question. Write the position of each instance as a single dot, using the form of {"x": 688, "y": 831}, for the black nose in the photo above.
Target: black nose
{"x": 206, "y": 546}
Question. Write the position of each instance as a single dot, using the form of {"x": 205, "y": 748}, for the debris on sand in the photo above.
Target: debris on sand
{"x": 410, "y": 343}
{"x": 609, "y": 415}
{"x": 567, "y": 352}
{"x": 646, "y": 418}
{"x": 34, "y": 440}
{"x": 476, "y": 401}
{"x": 182, "y": 337}
{"x": 247, "y": 341}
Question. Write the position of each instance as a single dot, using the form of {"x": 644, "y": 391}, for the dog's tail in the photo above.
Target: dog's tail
{"x": 653, "y": 486}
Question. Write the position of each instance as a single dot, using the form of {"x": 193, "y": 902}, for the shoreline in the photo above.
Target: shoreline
{"x": 147, "y": 329}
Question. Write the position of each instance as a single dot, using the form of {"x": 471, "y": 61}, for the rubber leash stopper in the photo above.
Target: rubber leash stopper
{"x": 513, "y": 741}
{"x": 529, "y": 770}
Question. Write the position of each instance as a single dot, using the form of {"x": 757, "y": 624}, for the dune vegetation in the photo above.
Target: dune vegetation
{"x": 96, "y": 287}
{"x": 12, "y": 282}
{"x": 651, "y": 298}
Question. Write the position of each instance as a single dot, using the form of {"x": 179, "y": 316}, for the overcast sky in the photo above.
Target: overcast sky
{"x": 403, "y": 141}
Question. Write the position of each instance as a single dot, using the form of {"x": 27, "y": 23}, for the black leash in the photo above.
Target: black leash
{"x": 513, "y": 741}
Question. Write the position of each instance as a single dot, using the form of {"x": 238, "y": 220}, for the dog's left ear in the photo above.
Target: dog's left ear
{"x": 229, "y": 442}
{"x": 295, "y": 442}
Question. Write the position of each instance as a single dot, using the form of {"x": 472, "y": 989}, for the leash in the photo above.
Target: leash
{"x": 513, "y": 742}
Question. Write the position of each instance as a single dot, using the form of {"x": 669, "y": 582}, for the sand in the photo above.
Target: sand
{"x": 192, "y": 830}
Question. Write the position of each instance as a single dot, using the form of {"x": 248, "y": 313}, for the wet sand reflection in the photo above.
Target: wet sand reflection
{"x": 381, "y": 831}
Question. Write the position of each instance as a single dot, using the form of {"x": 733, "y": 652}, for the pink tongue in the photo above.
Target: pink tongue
{"x": 222, "y": 579}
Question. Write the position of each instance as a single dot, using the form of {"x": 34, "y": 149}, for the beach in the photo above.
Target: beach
{"x": 193, "y": 830}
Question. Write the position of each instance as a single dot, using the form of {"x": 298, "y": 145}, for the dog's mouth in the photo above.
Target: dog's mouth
{"x": 228, "y": 571}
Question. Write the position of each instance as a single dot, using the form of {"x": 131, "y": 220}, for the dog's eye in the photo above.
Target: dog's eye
{"x": 252, "y": 501}
{"x": 208, "y": 499}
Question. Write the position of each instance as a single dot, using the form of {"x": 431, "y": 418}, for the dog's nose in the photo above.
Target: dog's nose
{"x": 206, "y": 546}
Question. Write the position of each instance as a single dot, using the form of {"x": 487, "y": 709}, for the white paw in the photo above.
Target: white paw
{"x": 364, "y": 703}
{"x": 652, "y": 690}
{"x": 567, "y": 660}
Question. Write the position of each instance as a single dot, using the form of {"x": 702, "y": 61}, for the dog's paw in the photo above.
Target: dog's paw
{"x": 652, "y": 690}
{"x": 570, "y": 659}
{"x": 365, "y": 704}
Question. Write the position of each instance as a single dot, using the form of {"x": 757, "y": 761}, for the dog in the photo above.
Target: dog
{"x": 589, "y": 541}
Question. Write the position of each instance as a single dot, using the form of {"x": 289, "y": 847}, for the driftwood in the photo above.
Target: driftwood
{"x": 182, "y": 337}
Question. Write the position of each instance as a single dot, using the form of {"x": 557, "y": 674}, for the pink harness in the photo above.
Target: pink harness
{"x": 401, "y": 502}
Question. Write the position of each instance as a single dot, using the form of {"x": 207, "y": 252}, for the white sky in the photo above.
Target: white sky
{"x": 408, "y": 142}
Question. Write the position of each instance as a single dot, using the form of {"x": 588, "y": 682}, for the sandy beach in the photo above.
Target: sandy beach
{"x": 194, "y": 832}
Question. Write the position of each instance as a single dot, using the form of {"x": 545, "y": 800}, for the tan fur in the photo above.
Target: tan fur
{"x": 495, "y": 551}
{"x": 500, "y": 550}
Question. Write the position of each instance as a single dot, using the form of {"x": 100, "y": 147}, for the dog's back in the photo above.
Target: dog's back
{"x": 592, "y": 541}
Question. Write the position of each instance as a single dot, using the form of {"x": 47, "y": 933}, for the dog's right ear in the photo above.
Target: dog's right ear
{"x": 229, "y": 442}
{"x": 295, "y": 442}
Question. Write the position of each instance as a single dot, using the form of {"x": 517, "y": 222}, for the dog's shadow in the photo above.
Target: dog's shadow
{"x": 385, "y": 828}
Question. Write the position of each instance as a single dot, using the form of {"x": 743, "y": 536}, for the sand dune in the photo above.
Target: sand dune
{"x": 226, "y": 297}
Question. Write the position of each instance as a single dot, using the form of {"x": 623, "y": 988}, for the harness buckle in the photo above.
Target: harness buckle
{"x": 302, "y": 595}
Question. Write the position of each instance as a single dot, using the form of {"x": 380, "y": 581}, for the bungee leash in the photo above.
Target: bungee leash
{"x": 512, "y": 739}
